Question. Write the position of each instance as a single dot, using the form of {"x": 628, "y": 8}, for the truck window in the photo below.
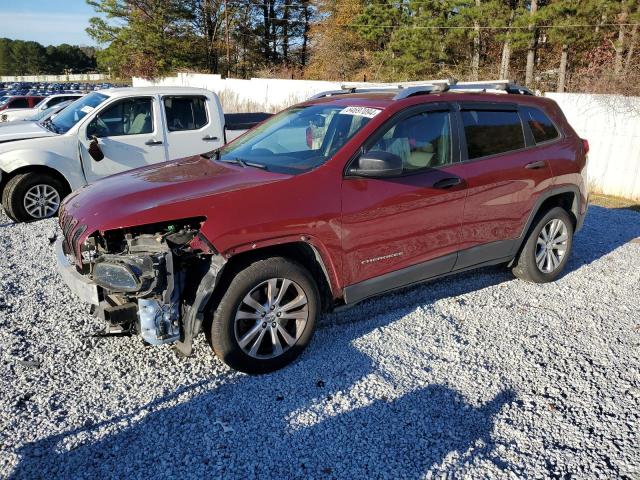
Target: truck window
{"x": 133, "y": 116}
{"x": 19, "y": 103}
{"x": 185, "y": 113}
{"x": 492, "y": 132}
{"x": 422, "y": 141}
{"x": 542, "y": 128}
{"x": 57, "y": 100}
{"x": 72, "y": 115}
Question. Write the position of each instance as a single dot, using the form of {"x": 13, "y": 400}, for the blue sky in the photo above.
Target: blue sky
{"x": 50, "y": 22}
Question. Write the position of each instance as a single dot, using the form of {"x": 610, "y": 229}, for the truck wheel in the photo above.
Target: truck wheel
{"x": 32, "y": 196}
{"x": 266, "y": 317}
{"x": 547, "y": 248}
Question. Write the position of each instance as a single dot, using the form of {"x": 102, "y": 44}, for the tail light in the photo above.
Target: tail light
{"x": 585, "y": 145}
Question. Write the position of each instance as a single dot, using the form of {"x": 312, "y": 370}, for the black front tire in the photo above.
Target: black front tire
{"x": 526, "y": 266}
{"x": 223, "y": 335}
{"x": 13, "y": 195}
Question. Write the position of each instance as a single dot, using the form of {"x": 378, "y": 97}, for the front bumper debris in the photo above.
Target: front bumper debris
{"x": 79, "y": 284}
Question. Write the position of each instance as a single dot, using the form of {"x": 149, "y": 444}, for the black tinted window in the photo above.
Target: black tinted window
{"x": 19, "y": 103}
{"x": 542, "y": 128}
{"x": 491, "y": 132}
{"x": 185, "y": 113}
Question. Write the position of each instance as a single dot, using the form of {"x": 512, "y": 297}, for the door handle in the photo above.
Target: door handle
{"x": 153, "y": 142}
{"x": 536, "y": 165}
{"x": 209, "y": 138}
{"x": 447, "y": 182}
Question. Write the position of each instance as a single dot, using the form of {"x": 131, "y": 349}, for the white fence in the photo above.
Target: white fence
{"x": 610, "y": 123}
{"x": 238, "y": 95}
{"x": 74, "y": 77}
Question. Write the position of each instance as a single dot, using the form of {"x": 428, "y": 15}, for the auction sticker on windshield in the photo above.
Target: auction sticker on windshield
{"x": 87, "y": 109}
{"x": 360, "y": 111}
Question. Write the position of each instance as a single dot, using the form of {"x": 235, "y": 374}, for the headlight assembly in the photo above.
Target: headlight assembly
{"x": 136, "y": 273}
{"x": 115, "y": 277}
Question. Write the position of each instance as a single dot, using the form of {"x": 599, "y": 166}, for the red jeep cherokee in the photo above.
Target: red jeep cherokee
{"x": 332, "y": 201}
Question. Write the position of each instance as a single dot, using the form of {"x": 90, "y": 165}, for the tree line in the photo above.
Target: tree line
{"x": 587, "y": 45}
{"x": 548, "y": 44}
{"x": 18, "y": 57}
{"x": 240, "y": 38}
{"x": 575, "y": 45}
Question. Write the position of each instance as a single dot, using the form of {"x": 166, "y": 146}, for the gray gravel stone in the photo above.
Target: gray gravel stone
{"x": 474, "y": 376}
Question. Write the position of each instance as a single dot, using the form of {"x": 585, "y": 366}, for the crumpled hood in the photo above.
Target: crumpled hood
{"x": 11, "y": 131}
{"x": 162, "y": 192}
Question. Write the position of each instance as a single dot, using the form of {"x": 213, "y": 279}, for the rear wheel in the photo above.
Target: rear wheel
{"x": 547, "y": 248}
{"x": 266, "y": 317}
{"x": 32, "y": 196}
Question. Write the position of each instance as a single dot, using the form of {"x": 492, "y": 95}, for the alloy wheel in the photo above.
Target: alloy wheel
{"x": 551, "y": 245}
{"x": 271, "y": 318}
{"x": 41, "y": 201}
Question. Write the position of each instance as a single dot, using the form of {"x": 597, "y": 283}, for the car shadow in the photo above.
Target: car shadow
{"x": 295, "y": 422}
{"x": 283, "y": 425}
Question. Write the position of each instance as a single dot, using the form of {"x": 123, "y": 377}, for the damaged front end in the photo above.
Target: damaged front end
{"x": 153, "y": 280}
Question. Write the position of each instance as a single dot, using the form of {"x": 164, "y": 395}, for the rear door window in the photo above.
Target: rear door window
{"x": 491, "y": 132}
{"x": 185, "y": 113}
{"x": 542, "y": 128}
{"x": 19, "y": 103}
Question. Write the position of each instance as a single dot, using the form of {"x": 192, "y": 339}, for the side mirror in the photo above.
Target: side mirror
{"x": 378, "y": 164}
{"x": 92, "y": 129}
{"x": 94, "y": 149}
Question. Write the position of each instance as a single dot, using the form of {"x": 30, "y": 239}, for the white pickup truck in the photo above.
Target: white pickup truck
{"x": 103, "y": 133}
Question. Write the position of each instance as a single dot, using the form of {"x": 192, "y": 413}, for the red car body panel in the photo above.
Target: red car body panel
{"x": 361, "y": 227}
{"x": 500, "y": 194}
{"x": 32, "y": 101}
{"x": 390, "y": 224}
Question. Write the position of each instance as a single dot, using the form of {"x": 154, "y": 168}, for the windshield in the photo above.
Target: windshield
{"x": 41, "y": 102}
{"x": 77, "y": 111}
{"x": 46, "y": 113}
{"x": 299, "y": 139}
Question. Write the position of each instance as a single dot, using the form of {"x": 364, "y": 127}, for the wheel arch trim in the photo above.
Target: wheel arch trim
{"x": 320, "y": 252}
{"x": 19, "y": 161}
{"x": 544, "y": 196}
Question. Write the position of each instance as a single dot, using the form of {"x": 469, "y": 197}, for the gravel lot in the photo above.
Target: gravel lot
{"x": 478, "y": 375}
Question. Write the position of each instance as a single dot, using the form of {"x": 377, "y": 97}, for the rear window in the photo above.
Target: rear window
{"x": 490, "y": 132}
{"x": 185, "y": 113}
{"x": 19, "y": 103}
{"x": 542, "y": 128}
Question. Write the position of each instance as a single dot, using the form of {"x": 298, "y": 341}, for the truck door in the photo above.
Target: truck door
{"x": 194, "y": 125}
{"x": 129, "y": 133}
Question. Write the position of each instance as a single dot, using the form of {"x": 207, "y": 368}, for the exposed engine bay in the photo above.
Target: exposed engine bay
{"x": 148, "y": 278}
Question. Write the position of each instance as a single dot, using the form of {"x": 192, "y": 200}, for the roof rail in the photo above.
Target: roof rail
{"x": 349, "y": 89}
{"x": 508, "y": 86}
{"x": 422, "y": 89}
{"x": 409, "y": 89}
